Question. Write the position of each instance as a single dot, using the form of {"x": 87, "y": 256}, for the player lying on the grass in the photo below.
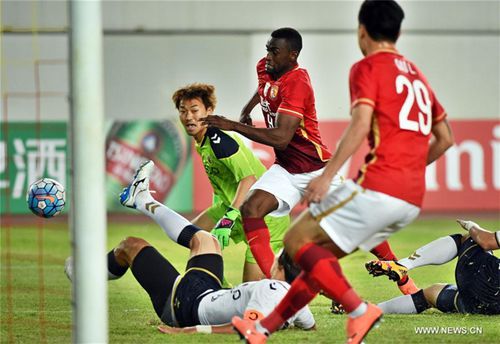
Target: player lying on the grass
{"x": 196, "y": 298}
{"x": 232, "y": 169}
{"x": 477, "y": 274}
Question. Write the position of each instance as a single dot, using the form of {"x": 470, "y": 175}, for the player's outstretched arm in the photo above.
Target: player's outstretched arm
{"x": 247, "y": 109}
{"x": 484, "y": 238}
{"x": 441, "y": 141}
{"x": 207, "y": 329}
{"x": 278, "y": 137}
{"x": 353, "y": 136}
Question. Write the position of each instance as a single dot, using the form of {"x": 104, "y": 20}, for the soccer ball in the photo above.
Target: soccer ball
{"x": 46, "y": 197}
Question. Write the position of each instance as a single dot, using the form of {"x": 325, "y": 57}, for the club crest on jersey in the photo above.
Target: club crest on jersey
{"x": 273, "y": 93}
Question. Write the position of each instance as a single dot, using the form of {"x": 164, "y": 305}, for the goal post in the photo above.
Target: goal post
{"x": 88, "y": 213}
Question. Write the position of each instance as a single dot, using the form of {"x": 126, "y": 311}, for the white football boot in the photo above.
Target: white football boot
{"x": 138, "y": 185}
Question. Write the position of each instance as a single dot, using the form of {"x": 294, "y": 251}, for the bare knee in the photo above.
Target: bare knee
{"x": 258, "y": 204}
{"x": 128, "y": 249}
{"x": 431, "y": 293}
{"x": 249, "y": 209}
{"x": 204, "y": 243}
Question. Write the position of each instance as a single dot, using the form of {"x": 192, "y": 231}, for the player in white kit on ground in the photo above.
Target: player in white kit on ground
{"x": 194, "y": 301}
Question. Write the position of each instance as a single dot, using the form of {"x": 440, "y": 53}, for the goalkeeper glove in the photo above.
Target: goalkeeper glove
{"x": 222, "y": 230}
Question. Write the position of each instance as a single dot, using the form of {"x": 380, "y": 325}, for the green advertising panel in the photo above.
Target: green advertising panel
{"x": 32, "y": 150}
{"x": 128, "y": 144}
{"x": 29, "y": 151}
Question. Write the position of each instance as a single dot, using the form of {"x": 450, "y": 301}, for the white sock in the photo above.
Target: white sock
{"x": 68, "y": 270}
{"x": 359, "y": 311}
{"x": 399, "y": 305}
{"x": 436, "y": 252}
{"x": 261, "y": 328}
{"x": 171, "y": 222}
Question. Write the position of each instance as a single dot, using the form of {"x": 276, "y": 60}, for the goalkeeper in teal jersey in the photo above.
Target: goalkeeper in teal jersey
{"x": 232, "y": 169}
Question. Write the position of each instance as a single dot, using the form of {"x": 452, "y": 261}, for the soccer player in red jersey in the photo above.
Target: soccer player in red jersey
{"x": 287, "y": 100}
{"x": 393, "y": 104}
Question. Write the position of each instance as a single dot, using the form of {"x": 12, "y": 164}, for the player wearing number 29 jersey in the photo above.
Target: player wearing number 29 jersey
{"x": 404, "y": 111}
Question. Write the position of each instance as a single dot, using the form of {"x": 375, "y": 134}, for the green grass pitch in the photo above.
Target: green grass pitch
{"x": 36, "y": 308}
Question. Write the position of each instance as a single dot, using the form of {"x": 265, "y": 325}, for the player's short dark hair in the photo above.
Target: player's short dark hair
{"x": 292, "y": 270}
{"x": 382, "y": 19}
{"x": 204, "y": 92}
{"x": 291, "y": 35}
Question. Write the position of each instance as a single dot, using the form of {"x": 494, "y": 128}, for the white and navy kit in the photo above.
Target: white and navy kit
{"x": 261, "y": 297}
{"x": 197, "y": 298}
{"x": 478, "y": 282}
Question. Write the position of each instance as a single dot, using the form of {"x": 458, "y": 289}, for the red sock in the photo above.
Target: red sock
{"x": 384, "y": 252}
{"x": 320, "y": 271}
{"x": 259, "y": 240}
{"x": 324, "y": 269}
{"x": 299, "y": 295}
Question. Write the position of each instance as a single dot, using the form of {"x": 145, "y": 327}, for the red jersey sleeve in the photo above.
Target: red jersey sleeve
{"x": 438, "y": 112}
{"x": 294, "y": 95}
{"x": 362, "y": 85}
